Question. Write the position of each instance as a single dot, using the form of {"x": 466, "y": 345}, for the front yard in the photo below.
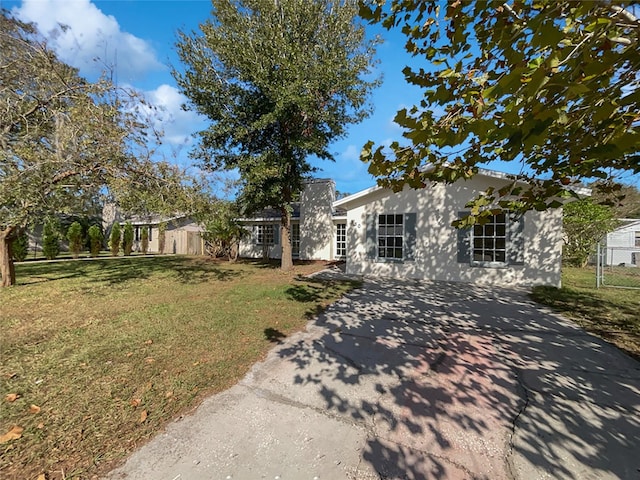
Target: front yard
{"x": 97, "y": 356}
{"x": 610, "y": 313}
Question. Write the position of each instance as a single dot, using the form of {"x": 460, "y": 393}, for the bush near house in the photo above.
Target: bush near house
{"x": 127, "y": 238}
{"x": 144, "y": 240}
{"x": 20, "y": 247}
{"x": 50, "y": 239}
{"x": 95, "y": 240}
{"x": 74, "y": 235}
{"x": 114, "y": 239}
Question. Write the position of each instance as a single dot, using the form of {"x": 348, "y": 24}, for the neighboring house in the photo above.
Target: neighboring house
{"x": 623, "y": 244}
{"x": 409, "y": 235}
{"x": 181, "y": 234}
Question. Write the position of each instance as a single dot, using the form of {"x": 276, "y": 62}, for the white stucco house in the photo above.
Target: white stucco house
{"x": 409, "y": 235}
{"x": 623, "y": 244}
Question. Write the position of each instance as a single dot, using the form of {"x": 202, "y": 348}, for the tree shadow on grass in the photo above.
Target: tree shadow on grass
{"x": 315, "y": 290}
{"x": 594, "y": 313}
{"x": 119, "y": 270}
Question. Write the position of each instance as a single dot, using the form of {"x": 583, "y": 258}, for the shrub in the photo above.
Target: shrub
{"x": 127, "y": 238}
{"x": 144, "y": 240}
{"x": 95, "y": 239}
{"x": 162, "y": 227}
{"x": 50, "y": 239}
{"x": 114, "y": 239}
{"x": 20, "y": 247}
{"x": 74, "y": 235}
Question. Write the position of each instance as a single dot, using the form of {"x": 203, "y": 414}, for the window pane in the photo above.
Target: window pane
{"x": 478, "y": 230}
{"x": 500, "y": 256}
{"x": 489, "y": 230}
{"x": 500, "y": 243}
{"x": 500, "y": 230}
{"x": 398, "y": 253}
{"x": 398, "y": 219}
{"x": 398, "y": 230}
{"x": 501, "y": 218}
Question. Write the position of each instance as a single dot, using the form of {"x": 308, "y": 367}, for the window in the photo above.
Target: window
{"x": 136, "y": 236}
{"x": 489, "y": 241}
{"x": 264, "y": 234}
{"x": 637, "y": 239}
{"x": 295, "y": 239}
{"x": 497, "y": 243}
{"x": 341, "y": 239}
{"x": 390, "y": 236}
{"x": 150, "y": 230}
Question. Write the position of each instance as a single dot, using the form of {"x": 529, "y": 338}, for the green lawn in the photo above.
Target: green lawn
{"x": 102, "y": 353}
{"x": 611, "y": 313}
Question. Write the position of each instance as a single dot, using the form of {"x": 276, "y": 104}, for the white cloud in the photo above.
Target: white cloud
{"x": 178, "y": 125}
{"x": 92, "y": 39}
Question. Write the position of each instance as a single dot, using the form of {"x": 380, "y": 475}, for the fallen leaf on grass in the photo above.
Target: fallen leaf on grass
{"x": 13, "y": 434}
{"x": 12, "y": 397}
{"x": 149, "y": 360}
{"x": 168, "y": 395}
{"x": 148, "y": 342}
{"x": 34, "y": 409}
{"x": 143, "y": 416}
{"x": 135, "y": 402}
{"x": 42, "y": 476}
{"x": 40, "y": 426}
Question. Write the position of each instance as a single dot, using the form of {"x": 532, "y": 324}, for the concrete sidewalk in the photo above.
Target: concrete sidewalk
{"x": 417, "y": 380}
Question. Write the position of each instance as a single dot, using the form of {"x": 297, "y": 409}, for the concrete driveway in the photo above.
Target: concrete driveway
{"x": 417, "y": 380}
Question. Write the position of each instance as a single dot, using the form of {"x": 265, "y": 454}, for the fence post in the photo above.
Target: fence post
{"x": 598, "y": 267}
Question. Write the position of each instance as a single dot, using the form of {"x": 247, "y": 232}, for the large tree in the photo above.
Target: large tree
{"x": 279, "y": 80}
{"x": 549, "y": 85}
{"x": 63, "y": 139}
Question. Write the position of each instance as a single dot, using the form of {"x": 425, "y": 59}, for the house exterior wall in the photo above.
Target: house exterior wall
{"x": 317, "y": 231}
{"x": 249, "y": 247}
{"x": 435, "y": 252}
{"x": 316, "y": 220}
{"x": 621, "y": 245}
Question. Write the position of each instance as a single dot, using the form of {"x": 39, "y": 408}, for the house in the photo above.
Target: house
{"x": 176, "y": 234}
{"x": 623, "y": 244}
{"x": 409, "y": 235}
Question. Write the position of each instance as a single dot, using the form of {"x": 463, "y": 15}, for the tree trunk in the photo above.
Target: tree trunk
{"x": 7, "y": 269}
{"x": 286, "y": 261}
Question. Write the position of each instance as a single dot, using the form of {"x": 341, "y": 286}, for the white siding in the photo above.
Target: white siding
{"x": 436, "y": 240}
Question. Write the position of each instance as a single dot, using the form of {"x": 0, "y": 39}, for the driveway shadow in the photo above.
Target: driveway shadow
{"x": 459, "y": 381}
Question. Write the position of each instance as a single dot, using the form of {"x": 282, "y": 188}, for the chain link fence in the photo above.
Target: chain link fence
{"x": 618, "y": 267}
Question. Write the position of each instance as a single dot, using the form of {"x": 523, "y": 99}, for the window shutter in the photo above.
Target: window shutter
{"x": 371, "y": 247}
{"x": 464, "y": 242}
{"x": 409, "y": 236}
{"x": 515, "y": 247}
{"x": 276, "y": 234}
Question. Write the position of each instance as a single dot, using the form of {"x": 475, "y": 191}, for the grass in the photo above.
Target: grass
{"x": 611, "y": 313}
{"x": 109, "y": 350}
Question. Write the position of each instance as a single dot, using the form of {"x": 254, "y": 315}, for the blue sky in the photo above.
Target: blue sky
{"x": 141, "y": 34}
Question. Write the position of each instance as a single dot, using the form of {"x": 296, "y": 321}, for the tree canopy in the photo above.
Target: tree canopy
{"x": 63, "y": 140}
{"x": 550, "y": 86}
{"x": 279, "y": 81}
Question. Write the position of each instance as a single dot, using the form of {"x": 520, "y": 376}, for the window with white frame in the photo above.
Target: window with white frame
{"x": 390, "y": 236}
{"x": 637, "y": 239}
{"x": 489, "y": 241}
{"x": 295, "y": 239}
{"x": 341, "y": 239}
{"x": 264, "y": 234}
